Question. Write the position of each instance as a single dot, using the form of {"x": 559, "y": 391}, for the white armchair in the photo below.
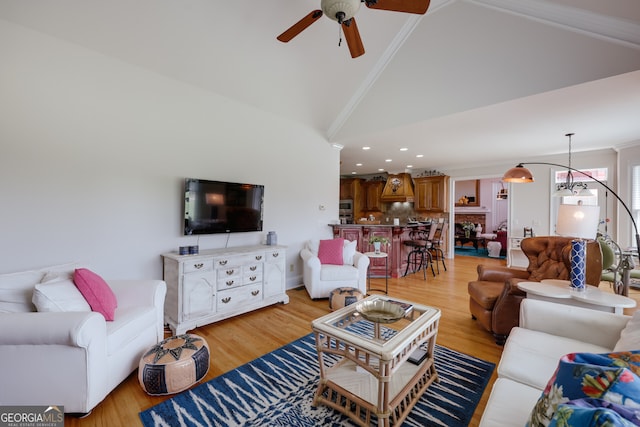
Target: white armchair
{"x": 320, "y": 279}
{"x": 73, "y": 358}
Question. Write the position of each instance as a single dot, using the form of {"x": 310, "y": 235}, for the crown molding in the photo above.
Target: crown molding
{"x": 585, "y": 22}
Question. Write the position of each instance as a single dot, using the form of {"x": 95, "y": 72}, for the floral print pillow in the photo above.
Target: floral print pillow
{"x": 590, "y": 389}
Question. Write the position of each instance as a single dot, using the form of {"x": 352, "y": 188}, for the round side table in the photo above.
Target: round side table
{"x": 559, "y": 291}
{"x": 374, "y": 255}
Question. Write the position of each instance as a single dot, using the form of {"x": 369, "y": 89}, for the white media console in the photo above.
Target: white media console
{"x": 220, "y": 283}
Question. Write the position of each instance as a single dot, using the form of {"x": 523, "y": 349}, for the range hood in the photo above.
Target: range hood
{"x": 399, "y": 188}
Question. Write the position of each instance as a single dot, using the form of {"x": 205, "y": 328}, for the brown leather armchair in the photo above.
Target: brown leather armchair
{"x": 494, "y": 298}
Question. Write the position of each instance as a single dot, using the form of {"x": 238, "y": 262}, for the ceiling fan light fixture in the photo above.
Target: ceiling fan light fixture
{"x": 340, "y": 10}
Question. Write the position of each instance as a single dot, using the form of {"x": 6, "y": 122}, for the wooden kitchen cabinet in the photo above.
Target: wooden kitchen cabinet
{"x": 350, "y": 188}
{"x": 431, "y": 193}
{"x": 372, "y": 194}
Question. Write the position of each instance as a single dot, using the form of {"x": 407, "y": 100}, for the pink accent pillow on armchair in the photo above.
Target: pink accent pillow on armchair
{"x": 96, "y": 291}
{"x": 330, "y": 251}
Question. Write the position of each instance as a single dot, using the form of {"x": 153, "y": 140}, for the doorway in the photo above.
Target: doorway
{"x": 489, "y": 207}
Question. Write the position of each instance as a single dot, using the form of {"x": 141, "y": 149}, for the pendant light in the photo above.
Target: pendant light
{"x": 567, "y": 188}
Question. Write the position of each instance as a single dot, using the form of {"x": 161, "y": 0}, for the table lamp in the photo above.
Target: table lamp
{"x": 579, "y": 221}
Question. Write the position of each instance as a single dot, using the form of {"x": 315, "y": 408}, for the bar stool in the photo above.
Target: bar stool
{"x": 419, "y": 257}
{"x": 435, "y": 245}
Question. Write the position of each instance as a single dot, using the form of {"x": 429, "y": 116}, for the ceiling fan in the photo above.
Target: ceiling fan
{"x": 343, "y": 11}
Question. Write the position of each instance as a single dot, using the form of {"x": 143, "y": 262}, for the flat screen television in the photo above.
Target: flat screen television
{"x": 212, "y": 207}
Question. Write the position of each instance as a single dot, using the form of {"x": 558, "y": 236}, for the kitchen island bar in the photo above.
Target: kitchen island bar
{"x": 396, "y": 250}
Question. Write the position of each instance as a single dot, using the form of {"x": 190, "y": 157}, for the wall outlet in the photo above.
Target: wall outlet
{"x": 291, "y": 268}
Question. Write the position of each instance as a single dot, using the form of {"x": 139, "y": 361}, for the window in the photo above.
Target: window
{"x": 581, "y": 181}
{"x": 598, "y": 173}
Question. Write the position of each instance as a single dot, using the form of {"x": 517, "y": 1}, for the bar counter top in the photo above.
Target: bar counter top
{"x": 395, "y": 264}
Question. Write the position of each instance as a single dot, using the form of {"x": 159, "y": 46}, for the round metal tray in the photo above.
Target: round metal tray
{"x": 380, "y": 311}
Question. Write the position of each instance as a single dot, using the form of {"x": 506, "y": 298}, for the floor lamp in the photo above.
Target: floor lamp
{"x": 520, "y": 174}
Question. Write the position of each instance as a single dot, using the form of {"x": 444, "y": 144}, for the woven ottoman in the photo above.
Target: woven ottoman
{"x": 174, "y": 364}
{"x": 341, "y": 297}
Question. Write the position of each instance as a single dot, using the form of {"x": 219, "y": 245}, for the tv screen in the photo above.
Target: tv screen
{"x": 221, "y": 207}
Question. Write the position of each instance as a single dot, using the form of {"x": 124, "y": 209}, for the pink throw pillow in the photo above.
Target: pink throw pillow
{"x": 96, "y": 291}
{"x": 330, "y": 251}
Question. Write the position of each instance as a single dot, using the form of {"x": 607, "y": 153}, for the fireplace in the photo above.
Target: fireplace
{"x": 475, "y": 218}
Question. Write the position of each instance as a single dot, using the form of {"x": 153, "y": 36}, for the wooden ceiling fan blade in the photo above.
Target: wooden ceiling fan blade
{"x": 408, "y": 6}
{"x": 300, "y": 26}
{"x": 352, "y": 35}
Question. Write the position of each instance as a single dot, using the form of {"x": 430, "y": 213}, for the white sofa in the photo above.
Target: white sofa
{"x": 548, "y": 331}
{"x": 320, "y": 279}
{"x": 73, "y": 358}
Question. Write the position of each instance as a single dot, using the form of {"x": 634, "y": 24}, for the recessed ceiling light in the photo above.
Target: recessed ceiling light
{"x": 380, "y": 170}
{"x": 353, "y": 173}
{"x": 404, "y": 149}
{"x": 358, "y": 164}
{"x": 366, "y": 148}
{"x": 388, "y": 160}
{"x": 409, "y": 166}
{"x": 419, "y": 155}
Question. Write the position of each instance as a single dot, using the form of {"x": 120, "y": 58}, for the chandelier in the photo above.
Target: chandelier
{"x": 570, "y": 187}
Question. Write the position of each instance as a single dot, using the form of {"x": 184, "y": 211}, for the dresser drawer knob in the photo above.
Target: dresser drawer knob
{"x": 230, "y": 272}
{"x": 253, "y": 278}
{"x": 253, "y": 268}
{"x": 230, "y": 282}
{"x": 275, "y": 254}
{"x": 254, "y": 293}
{"x": 199, "y": 265}
{"x": 226, "y": 299}
{"x": 258, "y": 257}
{"x": 223, "y": 262}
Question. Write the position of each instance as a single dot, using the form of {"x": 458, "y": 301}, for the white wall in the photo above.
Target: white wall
{"x": 94, "y": 152}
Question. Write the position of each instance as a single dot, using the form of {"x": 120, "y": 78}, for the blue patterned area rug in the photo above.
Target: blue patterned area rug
{"x": 277, "y": 390}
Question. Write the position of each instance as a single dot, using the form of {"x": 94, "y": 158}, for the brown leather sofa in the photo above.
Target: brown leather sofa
{"x": 494, "y": 298}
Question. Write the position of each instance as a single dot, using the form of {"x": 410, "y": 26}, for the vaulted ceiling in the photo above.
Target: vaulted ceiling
{"x": 471, "y": 81}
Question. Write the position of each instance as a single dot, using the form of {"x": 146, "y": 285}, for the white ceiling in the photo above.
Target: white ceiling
{"x": 470, "y": 82}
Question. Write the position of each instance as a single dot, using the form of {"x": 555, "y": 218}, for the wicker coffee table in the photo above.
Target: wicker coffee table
{"x": 373, "y": 377}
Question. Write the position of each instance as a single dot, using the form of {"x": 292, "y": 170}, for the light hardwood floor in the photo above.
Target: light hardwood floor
{"x": 241, "y": 339}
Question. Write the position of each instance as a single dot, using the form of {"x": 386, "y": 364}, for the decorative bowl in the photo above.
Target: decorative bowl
{"x": 380, "y": 311}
